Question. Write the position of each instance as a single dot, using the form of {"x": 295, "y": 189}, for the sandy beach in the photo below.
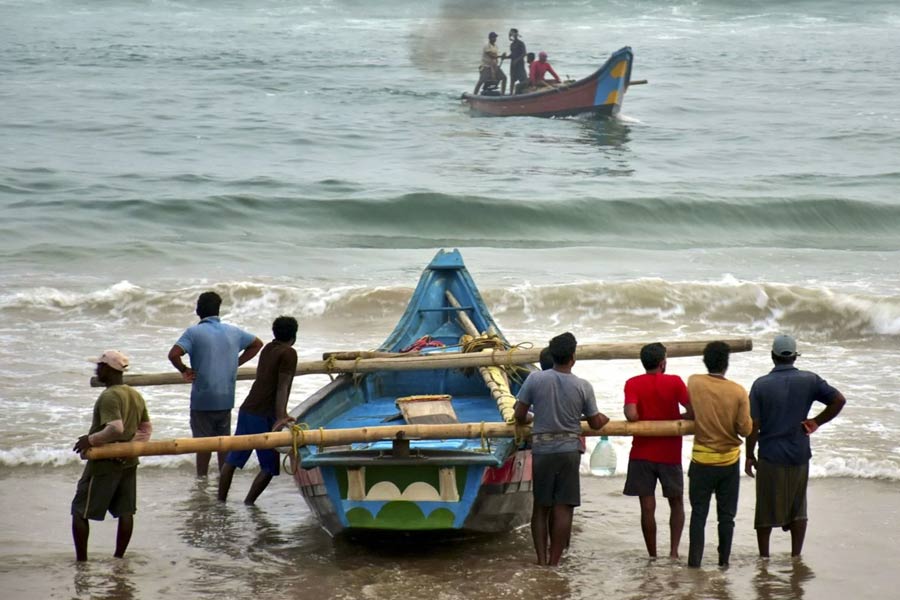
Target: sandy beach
{"x": 187, "y": 544}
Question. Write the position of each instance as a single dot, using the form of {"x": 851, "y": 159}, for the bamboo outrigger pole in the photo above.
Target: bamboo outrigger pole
{"x": 454, "y": 360}
{"x": 336, "y": 437}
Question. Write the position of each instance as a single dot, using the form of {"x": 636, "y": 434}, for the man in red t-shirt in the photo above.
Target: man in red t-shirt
{"x": 539, "y": 70}
{"x": 656, "y": 396}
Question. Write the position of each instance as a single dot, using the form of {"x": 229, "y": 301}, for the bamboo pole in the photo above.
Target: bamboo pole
{"x": 455, "y": 360}
{"x": 499, "y": 389}
{"x": 338, "y": 437}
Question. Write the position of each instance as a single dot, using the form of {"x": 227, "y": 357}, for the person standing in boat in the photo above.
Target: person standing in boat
{"x": 655, "y": 396}
{"x": 779, "y": 405}
{"x": 216, "y": 350}
{"x": 558, "y": 399}
{"x": 517, "y": 53}
{"x": 721, "y": 417}
{"x": 489, "y": 71}
{"x": 525, "y": 86}
{"x": 265, "y": 408}
{"x": 539, "y": 70}
{"x": 120, "y": 415}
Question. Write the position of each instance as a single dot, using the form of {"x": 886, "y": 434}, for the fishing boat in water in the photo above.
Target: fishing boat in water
{"x": 402, "y": 485}
{"x": 600, "y": 93}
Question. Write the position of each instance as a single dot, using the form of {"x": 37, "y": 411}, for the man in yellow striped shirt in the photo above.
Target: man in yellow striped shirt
{"x": 721, "y": 414}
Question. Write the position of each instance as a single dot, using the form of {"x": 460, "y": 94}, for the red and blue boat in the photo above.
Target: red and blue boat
{"x": 600, "y": 93}
{"x": 446, "y": 485}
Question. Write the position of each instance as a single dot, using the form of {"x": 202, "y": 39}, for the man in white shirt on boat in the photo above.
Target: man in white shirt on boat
{"x": 489, "y": 71}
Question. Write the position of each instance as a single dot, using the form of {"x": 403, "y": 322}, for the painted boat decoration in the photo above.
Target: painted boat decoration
{"x": 600, "y": 93}
{"x": 480, "y": 485}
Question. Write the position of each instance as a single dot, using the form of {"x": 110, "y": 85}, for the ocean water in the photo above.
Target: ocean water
{"x": 309, "y": 158}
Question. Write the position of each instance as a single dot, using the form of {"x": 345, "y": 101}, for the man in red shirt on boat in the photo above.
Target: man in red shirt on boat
{"x": 655, "y": 396}
{"x": 539, "y": 70}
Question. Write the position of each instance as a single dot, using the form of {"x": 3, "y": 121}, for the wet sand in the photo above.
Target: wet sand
{"x": 186, "y": 544}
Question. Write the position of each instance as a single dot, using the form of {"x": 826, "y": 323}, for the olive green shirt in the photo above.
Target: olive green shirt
{"x": 118, "y": 402}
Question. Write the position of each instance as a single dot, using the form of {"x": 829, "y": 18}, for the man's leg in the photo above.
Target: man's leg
{"x": 257, "y": 487}
{"x": 676, "y": 523}
{"x": 648, "y": 523}
{"x": 798, "y": 534}
{"x": 203, "y": 459}
{"x": 220, "y": 459}
{"x": 727, "y": 490}
{"x": 226, "y": 475}
{"x": 123, "y": 534}
{"x": 762, "y": 540}
{"x": 80, "y": 532}
{"x": 540, "y": 515}
{"x": 699, "y": 493}
{"x": 559, "y": 533}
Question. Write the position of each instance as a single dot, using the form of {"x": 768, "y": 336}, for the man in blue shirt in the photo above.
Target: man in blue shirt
{"x": 779, "y": 406}
{"x": 216, "y": 350}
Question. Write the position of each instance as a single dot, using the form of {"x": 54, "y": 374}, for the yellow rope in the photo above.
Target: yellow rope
{"x": 298, "y": 439}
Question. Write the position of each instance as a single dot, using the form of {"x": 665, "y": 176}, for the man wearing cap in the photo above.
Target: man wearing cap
{"x": 489, "y": 71}
{"x": 779, "y": 406}
{"x": 517, "y": 52}
{"x": 216, "y": 350}
{"x": 559, "y": 400}
{"x": 120, "y": 415}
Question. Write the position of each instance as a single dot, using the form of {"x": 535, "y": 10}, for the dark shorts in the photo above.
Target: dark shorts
{"x": 487, "y": 75}
{"x": 555, "y": 478}
{"x": 210, "y": 423}
{"x": 780, "y": 494}
{"x": 249, "y": 424}
{"x": 643, "y": 475}
{"x": 517, "y": 72}
{"x": 115, "y": 491}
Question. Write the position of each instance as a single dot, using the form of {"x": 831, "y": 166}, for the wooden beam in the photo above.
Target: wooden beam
{"x": 455, "y": 360}
{"x": 337, "y": 437}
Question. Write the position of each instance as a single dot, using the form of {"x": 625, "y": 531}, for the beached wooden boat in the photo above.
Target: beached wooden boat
{"x": 600, "y": 93}
{"x": 478, "y": 485}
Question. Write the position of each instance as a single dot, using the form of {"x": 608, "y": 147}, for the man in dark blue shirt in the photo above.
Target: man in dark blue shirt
{"x": 517, "y": 51}
{"x": 779, "y": 405}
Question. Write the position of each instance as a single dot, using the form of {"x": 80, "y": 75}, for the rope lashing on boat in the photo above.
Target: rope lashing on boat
{"x": 331, "y": 366}
{"x": 494, "y": 377}
{"x": 485, "y": 442}
{"x": 298, "y": 439}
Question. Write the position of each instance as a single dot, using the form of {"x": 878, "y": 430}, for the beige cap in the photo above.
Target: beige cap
{"x": 113, "y": 358}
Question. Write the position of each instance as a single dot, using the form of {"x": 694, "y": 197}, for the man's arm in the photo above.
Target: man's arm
{"x": 751, "y": 449}
{"x": 598, "y": 421}
{"x": 555, "y": 76}
{"x": 109, "y": 433}
{"x": 631, "y": 412}
{"x": 743, "y": 423}
{"x": 520, "y": 412}
{"x": 175, "y": 355}
{"x": 250, "y": 351}
{"x": 688, "y": 412}
{"x": 143, "y": 433}
{"x": 282, "y": 392}
{"x": 830, "y": 412}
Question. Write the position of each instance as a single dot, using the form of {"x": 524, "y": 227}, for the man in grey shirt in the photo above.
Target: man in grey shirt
{"x": 558, "y": 399}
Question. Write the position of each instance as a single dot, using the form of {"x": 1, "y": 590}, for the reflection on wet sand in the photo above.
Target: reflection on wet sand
{"x": 110, "y": 579}
{"x": 779, "y": 579}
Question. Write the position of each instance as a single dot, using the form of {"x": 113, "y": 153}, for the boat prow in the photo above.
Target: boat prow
{"x": 472, "y": 485}
{"x": 600, "y": 93}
